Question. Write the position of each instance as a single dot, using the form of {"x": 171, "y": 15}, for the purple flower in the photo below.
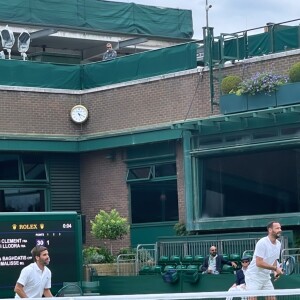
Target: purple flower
{"x": 265, "y": 82}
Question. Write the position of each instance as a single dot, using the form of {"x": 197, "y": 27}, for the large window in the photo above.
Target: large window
{"x": 154, "y": 202}
{"x": 152, "y": 180}
{"x": 23, "y": 182}
{"x": 251, "y": 184}
{"x": 153, "y": 193}
{"x": 22, "y": 200}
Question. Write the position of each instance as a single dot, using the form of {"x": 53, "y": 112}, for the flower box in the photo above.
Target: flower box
{"x": 261, "y": 100}
{"x": 232, "y": 103}
{"x": 288, "y": 94}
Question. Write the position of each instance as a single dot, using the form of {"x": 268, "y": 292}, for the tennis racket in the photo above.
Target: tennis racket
{"x": 288, "y": 265}
{"x": 69, "y": 290}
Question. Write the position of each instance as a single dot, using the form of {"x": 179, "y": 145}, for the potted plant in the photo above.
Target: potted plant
{"x": 290, "y": 92}
{"x": 108, "y": 226}
{"x": 229, "y": 84}
{"x": 229, "y": 102}
{"x": 261, "y": 88}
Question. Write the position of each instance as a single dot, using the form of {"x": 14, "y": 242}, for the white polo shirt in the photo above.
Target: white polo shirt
{"x": 269, "y": 252}
{"x": 34, "y": 280}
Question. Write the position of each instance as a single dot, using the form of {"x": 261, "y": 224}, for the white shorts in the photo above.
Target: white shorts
{"x": 253, "y": 283}
{"x": 237, "y": 288}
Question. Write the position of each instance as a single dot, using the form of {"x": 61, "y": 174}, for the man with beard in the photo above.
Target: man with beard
{"x": 35, "y": 279}
{"x": 214, "y": 262}
{"x": 266, "y": 254}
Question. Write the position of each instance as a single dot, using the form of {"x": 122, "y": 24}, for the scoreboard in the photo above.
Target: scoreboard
{"x": 20, "y": 232}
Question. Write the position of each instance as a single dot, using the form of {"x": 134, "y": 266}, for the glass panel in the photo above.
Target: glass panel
{"x": 154, "y": 202}
{"x": 265, "y": 134}
{"x": 9, "y": 167}
{"x": 22, "y": 200}
{"x": 139, "y": 173}
{"x": 252, "y": 184}
{"x": 291, "y": 131}
{"x": 165, "y": 170}
{"x": 34, "y": 167}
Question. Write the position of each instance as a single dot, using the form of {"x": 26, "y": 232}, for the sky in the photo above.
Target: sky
{"x": 228, "y": 16}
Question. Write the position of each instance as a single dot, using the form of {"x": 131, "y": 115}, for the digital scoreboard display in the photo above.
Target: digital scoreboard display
{"x": 19, "y": 233}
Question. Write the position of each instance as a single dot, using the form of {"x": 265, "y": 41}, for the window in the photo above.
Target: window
{"x": 139, "y": 173}
{"x": 22, "y": 167}
{"x": 152, "y": 172}
{"x": 22, "y": 182}
{"x": 165, "y": 170}
{"x": 22, "y": 200}
{"x": 153, "y": 193}
{"x": 251, "y": 184}
{"x": 9, "y": 167}
{"x": 34, "y": 168}
{"x": 154, "y": 202}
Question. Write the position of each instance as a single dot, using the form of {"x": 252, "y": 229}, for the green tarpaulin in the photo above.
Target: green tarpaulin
{"x": 76, "y": 77}
{"x": 142, "y": 65}
{"x": 100, "y": 15}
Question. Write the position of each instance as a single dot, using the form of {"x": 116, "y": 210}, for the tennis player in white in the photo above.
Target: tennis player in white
{"x": 35, "y": 279}
{"x": 265, "y": 261}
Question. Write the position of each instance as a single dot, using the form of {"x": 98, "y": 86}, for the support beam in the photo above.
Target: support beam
{"x": 232, "y": 119}
{"x": 295, "y": 109}
{"x": 131, "y": 42}
{"x": 263, "y": 115}
{"x": 42, "y": 33}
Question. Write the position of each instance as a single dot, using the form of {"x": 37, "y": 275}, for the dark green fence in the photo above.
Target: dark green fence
{"x": 76, "y": 77}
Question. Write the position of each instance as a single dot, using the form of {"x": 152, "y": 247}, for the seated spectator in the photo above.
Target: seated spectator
{"x": 239, "y": 284}
{"x": 214, "y": 262}
{"x": 110, "y": 53}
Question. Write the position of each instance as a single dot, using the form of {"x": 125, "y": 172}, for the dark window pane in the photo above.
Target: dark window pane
{"x": 22, "y": 200}
{"x": 139, "y": 173}
{"x": 252, "y": 184}
{"x": 154, "y": 202}
{"x": 165, "y": 170}
{"x": 9, "y": 167}
{"x": 34, "y": 167}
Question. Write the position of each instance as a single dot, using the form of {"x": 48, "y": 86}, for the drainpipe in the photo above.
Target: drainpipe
{"x": 188, "y": 182}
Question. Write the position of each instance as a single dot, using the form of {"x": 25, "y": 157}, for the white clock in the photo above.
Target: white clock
{"x": 79, "y": 114}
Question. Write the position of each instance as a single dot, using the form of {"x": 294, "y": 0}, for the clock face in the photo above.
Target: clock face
{"x": 79, "y": 113}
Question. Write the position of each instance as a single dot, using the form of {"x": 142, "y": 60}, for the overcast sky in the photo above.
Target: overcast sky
{"x": 228, "y": 16}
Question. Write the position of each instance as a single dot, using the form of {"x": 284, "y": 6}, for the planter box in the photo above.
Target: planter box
{"x": 288, "y": 94}
{"x": 232, "y": 103}
{"x": 105, "y": 269}
{"x": 261, "y": 101}
{"x": 124, "y": 269}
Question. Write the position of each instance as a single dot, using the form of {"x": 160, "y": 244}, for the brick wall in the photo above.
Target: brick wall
{"x": 103, "y": 183}
{"x": 103, "y": 186}
{"x": 133, "y": 106}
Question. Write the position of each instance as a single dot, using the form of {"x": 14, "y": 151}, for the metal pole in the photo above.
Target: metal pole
{"x": 209, "y": 41}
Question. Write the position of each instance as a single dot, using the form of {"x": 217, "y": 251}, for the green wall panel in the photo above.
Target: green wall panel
{"x": 146, "y": 284}
{"x": 149, "y": 233}
{"x": 64, "y": 173}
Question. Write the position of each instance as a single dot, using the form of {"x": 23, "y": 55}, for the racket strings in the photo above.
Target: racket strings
{"x": 69, "y": 290}
{"x": 289, "y": 265}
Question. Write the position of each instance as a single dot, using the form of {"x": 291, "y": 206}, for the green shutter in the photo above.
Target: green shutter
{"x": 64, "y": 173}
